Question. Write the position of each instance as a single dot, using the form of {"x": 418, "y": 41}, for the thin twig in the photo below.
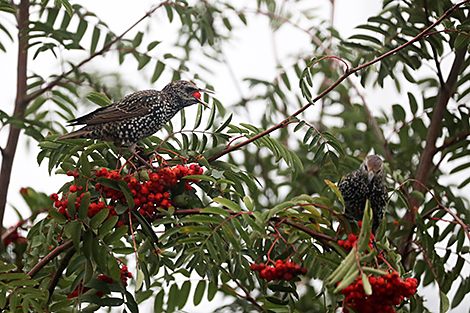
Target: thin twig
{"x": 336, "y": 83}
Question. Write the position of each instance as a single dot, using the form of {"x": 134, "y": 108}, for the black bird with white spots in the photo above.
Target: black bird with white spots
{"x": 136, "y": 116}
{"x": 366, "y": 183}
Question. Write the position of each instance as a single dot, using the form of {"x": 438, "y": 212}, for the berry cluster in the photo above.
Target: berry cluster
{"x": 352, "y": 239}
{"x": 125, "y": 274}
{"x": 149, "y": 190}
{"x": 387, "y": 291}
{"x": 280, "y": 270}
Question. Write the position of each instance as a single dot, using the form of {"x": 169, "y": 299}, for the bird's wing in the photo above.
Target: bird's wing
{"x": 136, "y": 104}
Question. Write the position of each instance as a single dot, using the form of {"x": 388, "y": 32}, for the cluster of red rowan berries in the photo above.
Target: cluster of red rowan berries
{"x": 387, "y": 291}
{"x": 352, "y": 239}
{"x": 149, "y": 193}
{"x": 279, "y": 271}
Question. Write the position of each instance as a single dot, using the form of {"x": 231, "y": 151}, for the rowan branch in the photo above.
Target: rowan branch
{"x": 336, "y": 83}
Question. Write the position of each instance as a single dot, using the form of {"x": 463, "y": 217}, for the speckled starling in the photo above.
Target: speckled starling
{"x": 136, "y": 116}
{"x": 366, "y": 183}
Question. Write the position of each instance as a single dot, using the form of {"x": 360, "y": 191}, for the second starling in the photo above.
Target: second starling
{"x": 136, "y": 116}
{"x": 364, "y": 184}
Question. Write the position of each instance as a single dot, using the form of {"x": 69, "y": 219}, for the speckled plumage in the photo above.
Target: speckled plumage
{"x": 362, "y": 184}
{"x": 136, "y": 116}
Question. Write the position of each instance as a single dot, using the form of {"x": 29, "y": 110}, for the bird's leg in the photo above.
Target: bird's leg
{"x": 132, "y": 149}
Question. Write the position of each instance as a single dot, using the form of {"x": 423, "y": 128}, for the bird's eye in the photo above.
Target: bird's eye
{"x": 365, "y": 166}
{"x": 197, "y": 94}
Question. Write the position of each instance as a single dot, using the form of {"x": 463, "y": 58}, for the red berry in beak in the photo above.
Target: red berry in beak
{"x": 197, "y": 94}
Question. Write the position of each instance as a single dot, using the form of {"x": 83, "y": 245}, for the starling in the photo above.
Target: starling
{"x": 366, "y": 183}
{"x": 136, "y": 116}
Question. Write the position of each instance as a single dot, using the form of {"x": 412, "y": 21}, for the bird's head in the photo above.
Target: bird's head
{"x": 372, "y": 168}
{"x": 186, "y": 92}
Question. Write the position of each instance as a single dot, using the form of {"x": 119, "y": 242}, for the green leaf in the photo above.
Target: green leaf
{"x": 461, "y": 41}
{"x": 335, "y": 189}
{"x": 98, "y": 98}
{"x": 6, "y": 7}
{"x": 172, "y": 298}
{"x": 139, "y": 280}
{"x": 158, "y": 71}
{"x": 71, "y": 198}
{"x": 211, "y": 291}
{"x": 113, "y": 268}
{"x": 413, "y": 103}
{"x": 210, "y": 122}
{"x": 184, "y": 294}
{"x": 199, "y": 292}
{"x": 152, "y": 45}
{"x": 94, "y": 39}
{"x": 86, "y": 168}
{"x": 158, "y": 303}
{"x": 127, "y": 193}
{"x": 57, "y": 216}
{"x": 84, "y": 204}
{"x": 108, "y": 225}
{"x": 444, "y": 304}
{"x": 228, "y": 203}
{"x": 198, "y": 117}
{"x": 99, "y": 218}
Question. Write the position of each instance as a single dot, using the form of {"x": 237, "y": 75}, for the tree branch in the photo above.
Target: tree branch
{"x": 341, "y": 79}
{"x": 23, "y": 99}
{"x": 9, "y": 151}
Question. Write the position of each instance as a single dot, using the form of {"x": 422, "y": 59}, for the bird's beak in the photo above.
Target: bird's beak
{"x": 370, "y": 176}
{"x": 205, "y": 91}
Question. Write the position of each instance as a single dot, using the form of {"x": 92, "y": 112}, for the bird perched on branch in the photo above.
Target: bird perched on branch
{"x": 136, "y": 116}
{"x": 366, "y": 183}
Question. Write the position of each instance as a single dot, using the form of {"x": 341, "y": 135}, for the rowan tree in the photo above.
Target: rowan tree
{"x": 248, "y": 210}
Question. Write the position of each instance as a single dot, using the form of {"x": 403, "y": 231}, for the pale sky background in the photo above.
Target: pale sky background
{"x": 250, "y": 55}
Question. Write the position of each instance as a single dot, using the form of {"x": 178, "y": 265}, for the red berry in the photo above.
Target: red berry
{"x": 197, "y": 94}
{"x": 287, "y": 276}
{"x": 73, "y": 188}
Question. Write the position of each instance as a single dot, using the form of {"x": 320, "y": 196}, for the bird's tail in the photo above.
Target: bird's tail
{"x": 81, "y": 133}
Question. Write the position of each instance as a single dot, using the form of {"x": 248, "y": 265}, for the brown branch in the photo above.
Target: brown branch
{"x": 38, "y": 267}
{"x": 453, "y": 141}
{"x": 54, "y": 253}
{"x": 247, "y": 295}
{"x": 12, "y": 229}
{"x": 8, "y": 153}
{"x": 336, "y": 83}
{"x": 58, "y": 273}
{"x": 425, "y": 162}
{"x": 105, "y": 48}
{"x": 22, "y": 99}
